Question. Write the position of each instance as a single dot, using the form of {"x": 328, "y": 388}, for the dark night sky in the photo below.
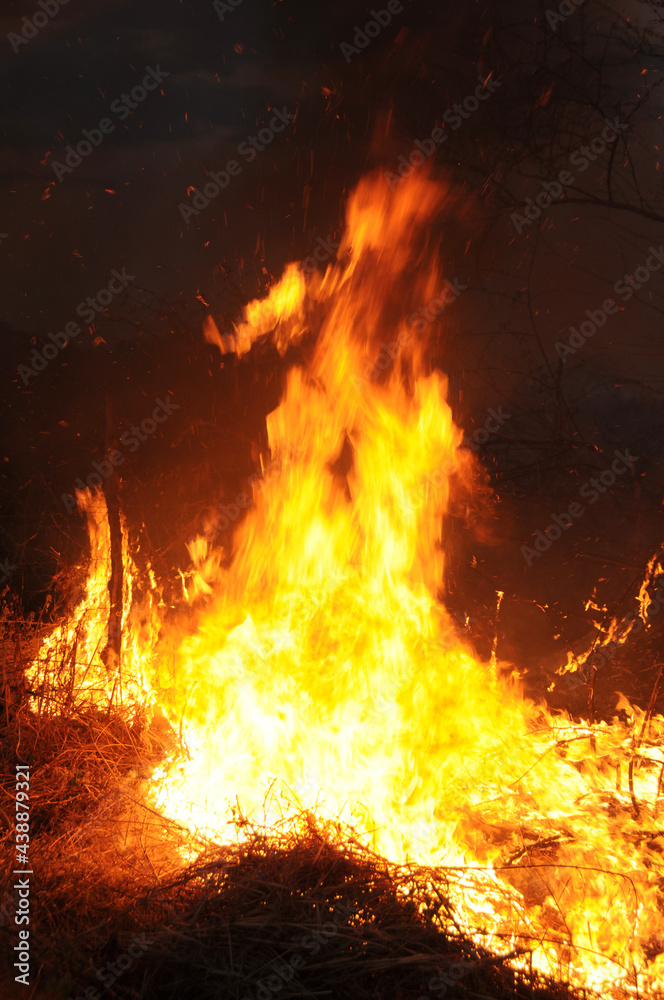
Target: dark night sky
{"x": 119, "y": 207}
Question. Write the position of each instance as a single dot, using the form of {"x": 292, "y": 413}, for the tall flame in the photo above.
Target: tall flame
{"x": 324, "y": 673}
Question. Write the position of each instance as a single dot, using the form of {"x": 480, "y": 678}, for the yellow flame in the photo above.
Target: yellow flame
{"x": 325, "y": 669}
{"x": 324, "y": 672}
{"x": 81, "y": 640}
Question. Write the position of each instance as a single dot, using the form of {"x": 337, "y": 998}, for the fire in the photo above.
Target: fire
{"x": 83, "y": 639}
{"x": 325, "y": 674}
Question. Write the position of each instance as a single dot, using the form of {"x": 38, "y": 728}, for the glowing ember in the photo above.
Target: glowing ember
{"x": 324, "y": 674}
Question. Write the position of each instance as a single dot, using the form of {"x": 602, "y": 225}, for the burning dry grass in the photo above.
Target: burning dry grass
{"x": 305, "y": 912}
{"x": 323, "y": 661}
{"x": 313, "y": 915}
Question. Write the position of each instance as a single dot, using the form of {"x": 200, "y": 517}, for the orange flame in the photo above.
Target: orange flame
{"x": 325, "y": 674}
